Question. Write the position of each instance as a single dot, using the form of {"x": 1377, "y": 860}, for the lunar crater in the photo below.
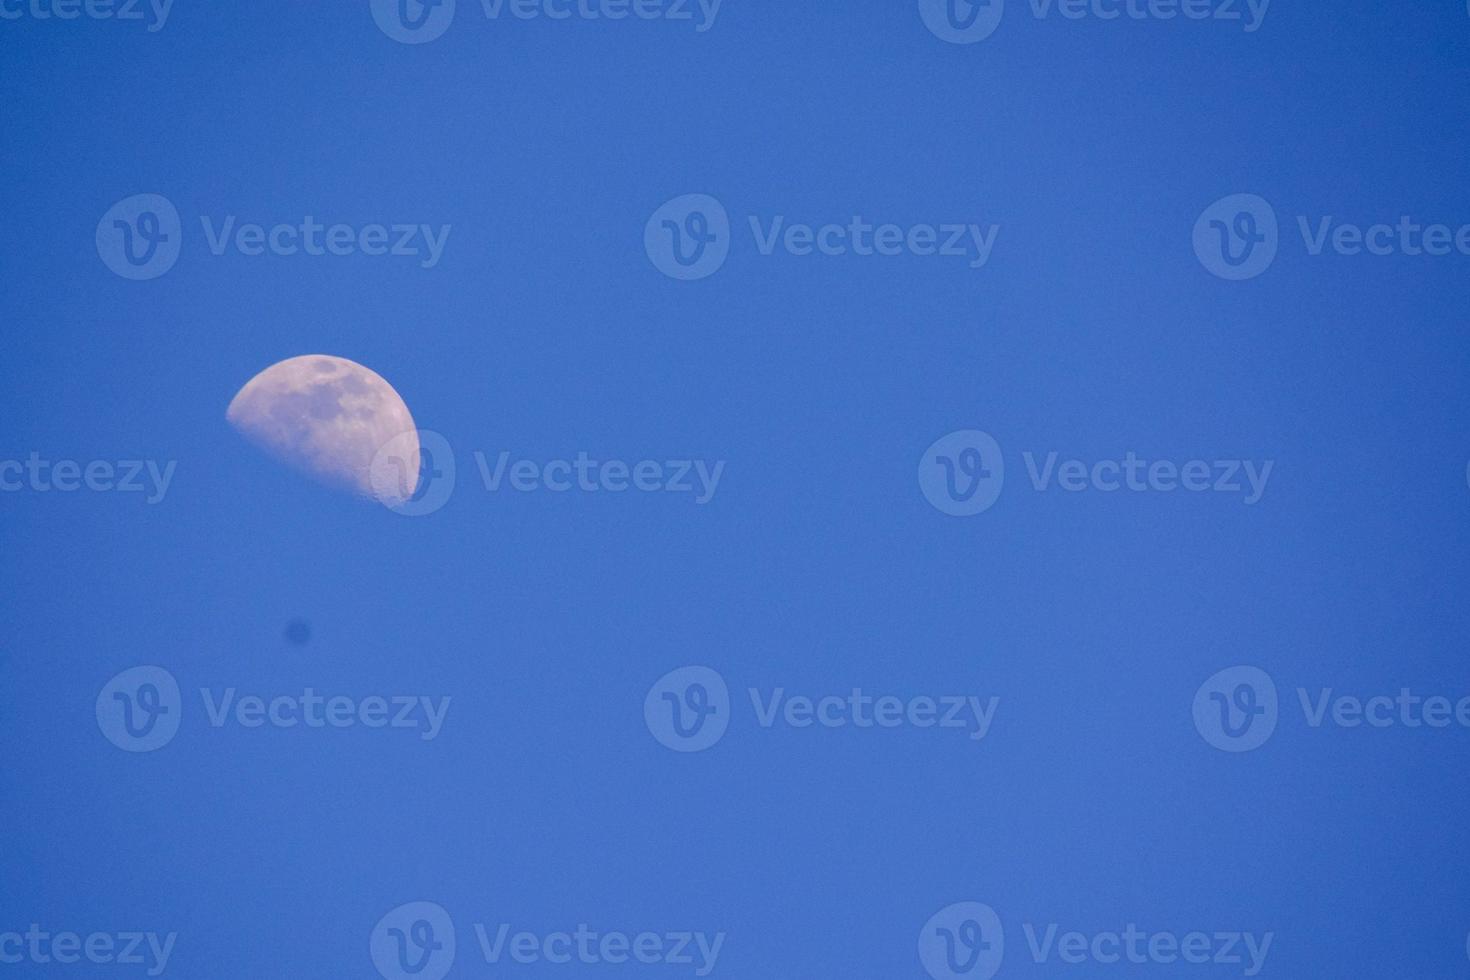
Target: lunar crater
{"x": 334, "y": 420}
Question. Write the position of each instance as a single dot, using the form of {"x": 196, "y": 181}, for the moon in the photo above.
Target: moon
{"x": 335, "y": 421}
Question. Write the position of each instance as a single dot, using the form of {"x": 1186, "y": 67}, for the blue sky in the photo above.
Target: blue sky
{"x": 1085, "y": 623}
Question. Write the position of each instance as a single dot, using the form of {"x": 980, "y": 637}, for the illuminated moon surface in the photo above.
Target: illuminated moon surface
{"x": 334, "y": 420}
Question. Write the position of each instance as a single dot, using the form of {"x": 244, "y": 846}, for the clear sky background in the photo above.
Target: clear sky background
{"x": 819, "y": 566}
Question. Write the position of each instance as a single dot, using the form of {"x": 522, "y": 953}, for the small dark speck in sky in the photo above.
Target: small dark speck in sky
{"x": 298, "y": 631}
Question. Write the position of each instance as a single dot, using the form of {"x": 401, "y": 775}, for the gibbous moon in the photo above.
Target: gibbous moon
{"x": 335, "y": 421}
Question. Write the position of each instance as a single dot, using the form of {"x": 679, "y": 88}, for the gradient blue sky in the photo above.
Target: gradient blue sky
{"x": 819, "y": 566}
